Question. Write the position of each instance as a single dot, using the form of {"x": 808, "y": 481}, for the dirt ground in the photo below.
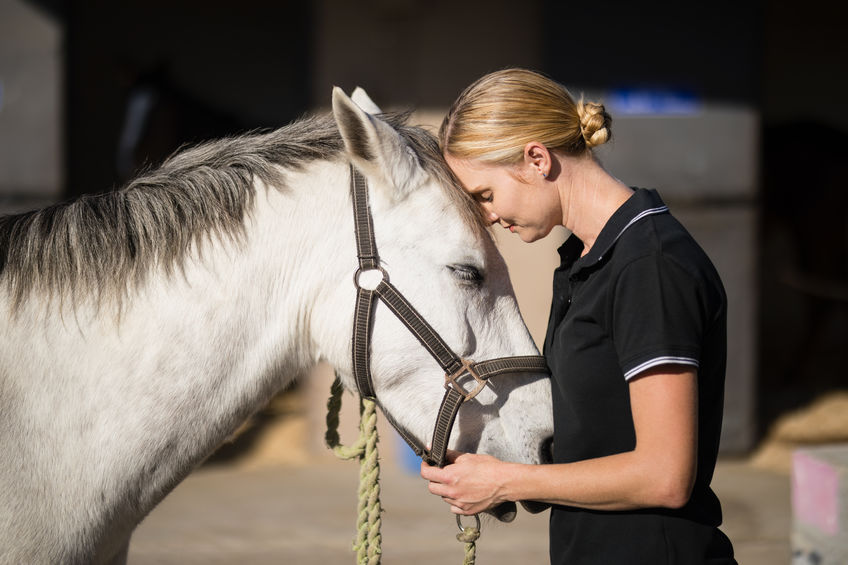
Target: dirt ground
{"x": 271, "y": 497}
{"x": 305, "y": 514}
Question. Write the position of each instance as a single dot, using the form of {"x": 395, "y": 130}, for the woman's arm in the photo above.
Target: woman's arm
{"x": 659, "y": 472}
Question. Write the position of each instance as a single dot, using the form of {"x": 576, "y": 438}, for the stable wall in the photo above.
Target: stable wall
{"x": 30, "y": 107}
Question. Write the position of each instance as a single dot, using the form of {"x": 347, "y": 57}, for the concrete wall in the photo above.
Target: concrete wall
{"x": 30, "y": 107}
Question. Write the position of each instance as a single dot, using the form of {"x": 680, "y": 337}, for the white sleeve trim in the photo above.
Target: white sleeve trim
{"x": 659, "y": 361}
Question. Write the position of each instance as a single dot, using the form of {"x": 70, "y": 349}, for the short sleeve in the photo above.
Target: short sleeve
{"x": 658, "y": 315}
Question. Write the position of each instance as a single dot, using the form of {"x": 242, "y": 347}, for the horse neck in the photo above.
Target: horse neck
{"x": 306, "y": 233}
{"x": 190, "y": 357}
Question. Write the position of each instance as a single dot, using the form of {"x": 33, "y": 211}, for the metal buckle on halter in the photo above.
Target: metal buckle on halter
{"x": 452, "y": 380}
{"x": 372, "y": 286}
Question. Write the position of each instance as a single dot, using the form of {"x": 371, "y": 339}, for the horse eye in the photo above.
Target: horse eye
{"x": 466, "y": 274}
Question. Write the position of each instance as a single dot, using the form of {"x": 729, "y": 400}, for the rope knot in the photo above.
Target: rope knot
{"x": 468, "y": 535}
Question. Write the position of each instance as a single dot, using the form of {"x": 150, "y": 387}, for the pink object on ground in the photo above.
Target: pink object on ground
{"x": 815, "y": 492}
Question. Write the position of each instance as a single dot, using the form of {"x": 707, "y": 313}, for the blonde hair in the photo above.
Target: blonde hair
{"x": 496, "y": 116}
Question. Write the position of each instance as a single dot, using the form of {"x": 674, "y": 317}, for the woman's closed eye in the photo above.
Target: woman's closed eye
{"x": 484, "y": 197}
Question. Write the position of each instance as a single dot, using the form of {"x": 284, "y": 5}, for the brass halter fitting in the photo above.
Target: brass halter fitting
{"x": 452, "y": 380}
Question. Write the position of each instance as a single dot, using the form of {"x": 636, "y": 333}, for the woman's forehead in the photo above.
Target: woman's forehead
{"x": 474, "y": 175}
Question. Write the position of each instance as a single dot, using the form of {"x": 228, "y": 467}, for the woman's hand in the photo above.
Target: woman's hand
{"x": 659, "y": 472}
{"x": 470, "y": 483}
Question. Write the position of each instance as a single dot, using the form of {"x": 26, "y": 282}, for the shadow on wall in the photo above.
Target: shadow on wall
{"x": 159, "y": 118}
{"x": 803, "y": 265}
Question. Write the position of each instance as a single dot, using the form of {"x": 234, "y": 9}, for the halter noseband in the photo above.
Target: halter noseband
{"x": 458, "y": 371}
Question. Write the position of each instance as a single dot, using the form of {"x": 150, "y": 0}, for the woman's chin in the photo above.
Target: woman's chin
{"x": 526, "y": 235}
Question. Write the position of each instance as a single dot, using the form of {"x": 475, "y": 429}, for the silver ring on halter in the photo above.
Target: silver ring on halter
{"x": 463, "y": 528}
{"x": 360, "y": 270}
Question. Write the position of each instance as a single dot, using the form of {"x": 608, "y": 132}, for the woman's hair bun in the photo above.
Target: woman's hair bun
{"x": 498, "y": 114}
{"x": 595, "y": 123}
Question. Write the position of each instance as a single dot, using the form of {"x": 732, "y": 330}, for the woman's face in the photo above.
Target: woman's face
{"x": 529, "y": 208}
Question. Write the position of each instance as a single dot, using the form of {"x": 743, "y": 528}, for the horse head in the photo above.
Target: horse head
{"x": 434, "y": 247}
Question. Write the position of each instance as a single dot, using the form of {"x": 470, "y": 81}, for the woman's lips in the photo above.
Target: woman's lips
{"x": 507, "y": 226}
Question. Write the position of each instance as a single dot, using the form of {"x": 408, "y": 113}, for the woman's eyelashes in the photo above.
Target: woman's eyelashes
{"x": 484, "y": 196}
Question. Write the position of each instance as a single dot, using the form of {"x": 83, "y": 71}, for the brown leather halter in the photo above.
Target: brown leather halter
{"x": 459, "y": 373}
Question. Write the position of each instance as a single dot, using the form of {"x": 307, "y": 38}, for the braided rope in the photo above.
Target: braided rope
{"x": 469, "y": 535}
{"x": 368, "y": 538}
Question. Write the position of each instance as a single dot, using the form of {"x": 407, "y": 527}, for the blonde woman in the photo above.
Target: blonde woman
{"x": 636, "y": 340}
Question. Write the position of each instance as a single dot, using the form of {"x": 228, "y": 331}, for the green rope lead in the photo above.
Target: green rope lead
{"x": 368, "y": 539}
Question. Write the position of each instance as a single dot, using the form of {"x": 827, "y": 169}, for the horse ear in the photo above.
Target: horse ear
{"x": 364, "y": 101}
{"x": 375, "y": 147}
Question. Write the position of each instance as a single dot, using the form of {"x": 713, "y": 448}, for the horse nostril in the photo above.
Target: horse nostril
{"x": 546, "y": 451}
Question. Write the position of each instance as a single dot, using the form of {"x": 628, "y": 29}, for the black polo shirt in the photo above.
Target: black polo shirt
{"x": 645, "y": 295}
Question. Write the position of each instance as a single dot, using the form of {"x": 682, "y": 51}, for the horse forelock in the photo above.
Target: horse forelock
{"x": 426, "y": 146}
{"x": 107, "y": 244}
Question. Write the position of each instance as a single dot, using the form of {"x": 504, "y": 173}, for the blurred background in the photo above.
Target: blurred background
{"x": 737, "y": 112}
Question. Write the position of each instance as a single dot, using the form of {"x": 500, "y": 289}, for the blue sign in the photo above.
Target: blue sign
{"x": 652, "y": 101}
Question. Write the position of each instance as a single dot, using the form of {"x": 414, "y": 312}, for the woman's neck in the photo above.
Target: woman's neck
{"x": 590, "y": 196}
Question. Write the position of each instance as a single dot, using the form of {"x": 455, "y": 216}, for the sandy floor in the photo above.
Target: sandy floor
{"x": 284, "y": 500}
{"x": 305, "y": 514}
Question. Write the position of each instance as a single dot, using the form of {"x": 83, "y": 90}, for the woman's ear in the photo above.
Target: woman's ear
{"x": 537, "y": 158}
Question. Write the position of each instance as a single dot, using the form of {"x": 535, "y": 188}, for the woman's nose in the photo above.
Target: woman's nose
{"x": 491, "y": 215}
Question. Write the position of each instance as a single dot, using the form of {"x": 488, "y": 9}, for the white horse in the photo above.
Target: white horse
{"x": 141, "y": 327}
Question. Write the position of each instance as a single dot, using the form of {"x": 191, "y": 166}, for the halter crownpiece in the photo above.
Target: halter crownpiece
{"x": 459, "y": 373}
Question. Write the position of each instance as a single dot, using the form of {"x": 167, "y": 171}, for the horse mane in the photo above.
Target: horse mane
{"x": 106, "y": 244}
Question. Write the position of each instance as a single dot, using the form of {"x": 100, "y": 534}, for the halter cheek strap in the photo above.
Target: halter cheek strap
{"x": 464, "y": 379}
